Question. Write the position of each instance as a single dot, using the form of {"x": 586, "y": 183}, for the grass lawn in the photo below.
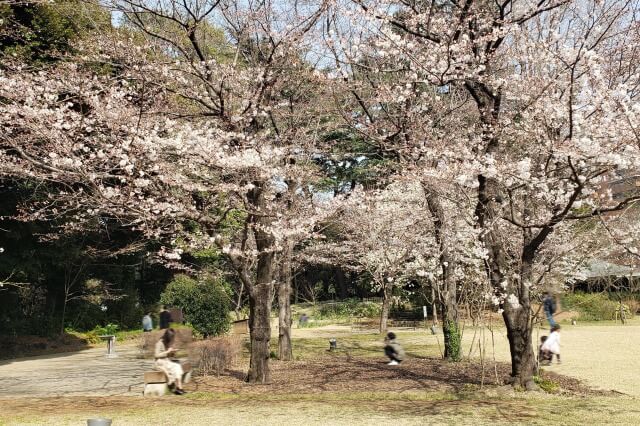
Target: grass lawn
{"x": 340, "y": 408}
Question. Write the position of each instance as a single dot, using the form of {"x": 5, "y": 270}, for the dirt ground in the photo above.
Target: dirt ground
{"x": 353, "y": 383}
{"x": 334, "y": 379}
{"x": 602, "y": 356}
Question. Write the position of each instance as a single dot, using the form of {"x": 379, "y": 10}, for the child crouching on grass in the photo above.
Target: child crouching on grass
{"x": 544, "y": 357}
{"x": 551, "y": 346}
{"x": 393, "y": 350}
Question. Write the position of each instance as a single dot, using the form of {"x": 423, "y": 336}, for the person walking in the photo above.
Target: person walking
{"x": 393, "y": 349}
{"x": 165, "y": 318}
{"x": 303, "y": 321}
{"x": 147, "y": 323}
{"x": 549, "y": 307}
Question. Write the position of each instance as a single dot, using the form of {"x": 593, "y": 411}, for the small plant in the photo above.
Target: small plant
{"x": 213, "y": 356}
{"x": 111, "y": 329}
{"x": 547, "y": 385}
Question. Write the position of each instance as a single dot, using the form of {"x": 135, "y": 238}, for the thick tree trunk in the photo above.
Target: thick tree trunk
{"x": 523, "y": 362}
{"x": 517, "y": 318}
{"x": 341, "y": 283}
{"x": 448, "y": 291}
{"x": 285, "y": 350}
{"x": 386, "y": 303}
{"x": 260, "y": 333}
{"x": 451, "y": 331}
{"x": 260, "y": 292}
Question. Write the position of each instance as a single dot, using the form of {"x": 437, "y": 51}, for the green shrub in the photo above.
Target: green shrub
{"x": 594, "y": 306}
{"x": 349, "y": 308}
{"x": 93, "y": 336}
{"x": 42, "y": 30}
{"x": 205, "y": 304}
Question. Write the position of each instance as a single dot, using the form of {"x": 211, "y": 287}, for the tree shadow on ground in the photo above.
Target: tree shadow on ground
{"x": 344, "y": 372}
{"x": 15, "y": 348}
{"x": 496, "y": 410}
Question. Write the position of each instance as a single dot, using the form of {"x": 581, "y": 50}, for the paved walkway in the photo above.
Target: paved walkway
{"x": 87, "y": 372}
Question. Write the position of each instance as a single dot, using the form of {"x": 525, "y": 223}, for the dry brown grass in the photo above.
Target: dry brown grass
{"x": 215, "y": 355}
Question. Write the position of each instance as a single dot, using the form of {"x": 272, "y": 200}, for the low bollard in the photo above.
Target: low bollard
{"x": 333, "y": 344}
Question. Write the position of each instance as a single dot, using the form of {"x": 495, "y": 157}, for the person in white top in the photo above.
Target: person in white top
{"x": 164, "y": 351}
{"x": 551, "y": 346}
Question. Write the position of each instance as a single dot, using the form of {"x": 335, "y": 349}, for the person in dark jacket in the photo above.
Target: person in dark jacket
{"x": 549, "y": 307}
{"x": 393, "y": 350}
{"x": 165, "y": 318}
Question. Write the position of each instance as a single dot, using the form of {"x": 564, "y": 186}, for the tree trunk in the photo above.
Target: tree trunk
{"x": 523, "y": 362}
{"x": 239, "y": 301}
{"x": 386, "y": 302}
{"x": 341, "y": 283}
{"x": 260, "y": 292}
{"x": 260, "y": 333}
{"x": 519, "y": 324}
{"x": 451, "y": 331}
{"x": 285, "y": 350}
{"x": 64, "y": 312}
{"x": 448, "y": 291}
{"x": 516, "y": 318}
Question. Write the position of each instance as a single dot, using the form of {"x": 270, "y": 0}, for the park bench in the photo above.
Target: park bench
{"x": 406, "y": 319}
{"x": 155, "y": 382}
{"x": 363, "y": 324}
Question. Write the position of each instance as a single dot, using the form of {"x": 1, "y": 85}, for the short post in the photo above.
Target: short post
{"x": 333, "y": 344}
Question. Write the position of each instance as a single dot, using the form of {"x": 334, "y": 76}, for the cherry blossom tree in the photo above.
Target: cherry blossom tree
{"x": 398, "y": 117}
{"x": 536, "y": 116}
{"x": 382, "y": 239}
{"x": 179, "y": 140}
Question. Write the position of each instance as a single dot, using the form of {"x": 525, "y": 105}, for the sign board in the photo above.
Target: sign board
{"x": 241, "y": 327}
